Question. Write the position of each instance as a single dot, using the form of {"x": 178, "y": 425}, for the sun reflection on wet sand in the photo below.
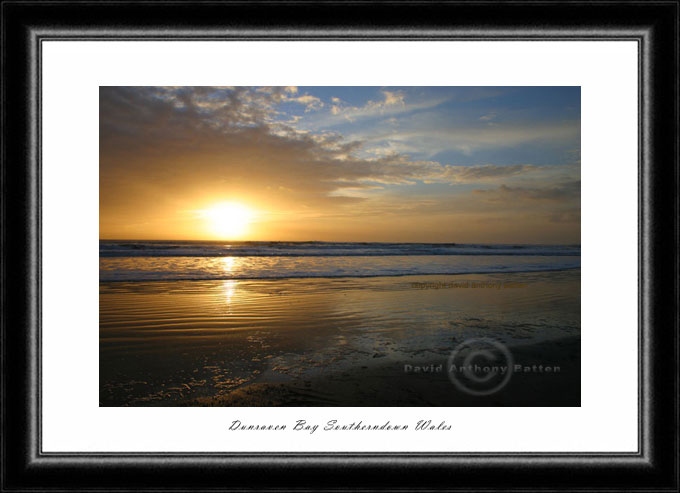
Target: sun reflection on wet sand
{"x": 229, "y": 290}
{"x": 162, "y": 343}
{"x": 229, "y": 264}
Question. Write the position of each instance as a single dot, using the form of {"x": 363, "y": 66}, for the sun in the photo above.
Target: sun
{"x": 229, "y": 219}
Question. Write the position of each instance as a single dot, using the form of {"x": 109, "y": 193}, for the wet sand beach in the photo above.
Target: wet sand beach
{"x": 336, "y": 341}
{"x": 388, "y": 384}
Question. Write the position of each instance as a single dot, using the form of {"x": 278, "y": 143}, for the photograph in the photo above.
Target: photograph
{"x": 339, "y": 246}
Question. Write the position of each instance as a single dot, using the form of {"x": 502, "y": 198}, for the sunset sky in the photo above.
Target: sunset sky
{"x": 415, "y": 164}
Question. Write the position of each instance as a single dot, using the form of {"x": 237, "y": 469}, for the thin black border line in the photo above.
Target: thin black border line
{"x": 676, "y": 269}
{"x": 38, "y": 104}
{"x": 643, "y": 438}
{"x": 259, "y": 36}
{"x": 546, "y": 457}
{"x": 3, "y": 241}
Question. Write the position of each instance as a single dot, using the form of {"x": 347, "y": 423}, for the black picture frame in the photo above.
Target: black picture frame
{"x": 654, "y": 25}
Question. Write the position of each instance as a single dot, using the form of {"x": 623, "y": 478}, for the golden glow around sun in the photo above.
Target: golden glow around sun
{"x": 229, "y": 219}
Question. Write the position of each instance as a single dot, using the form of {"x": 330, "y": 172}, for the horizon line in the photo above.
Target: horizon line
{"x": 338, "y": 241}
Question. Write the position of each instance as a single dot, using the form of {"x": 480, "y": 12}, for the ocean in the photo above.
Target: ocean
{"x": 330, "y": 324}
{"x": 191, "y": 260}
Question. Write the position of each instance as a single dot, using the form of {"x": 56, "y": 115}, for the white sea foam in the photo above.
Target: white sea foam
{"x": 147, "y": 268}
{"x": 319, "y": 249}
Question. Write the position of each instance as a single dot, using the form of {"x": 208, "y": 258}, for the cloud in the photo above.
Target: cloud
{"x": 170, "y": 141}
{"x": 311, "y": 102}
{"x": 434, "y": 139}
{"x": 164, "y": 148}
{"x": 552, "y": 193}
{"x": 391, "y": 103}
{"x": 568, "y": 216}
{"x": 467, "y": 174}
{"x": 391, "y": 98}
{"x": 218, "y": 126}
